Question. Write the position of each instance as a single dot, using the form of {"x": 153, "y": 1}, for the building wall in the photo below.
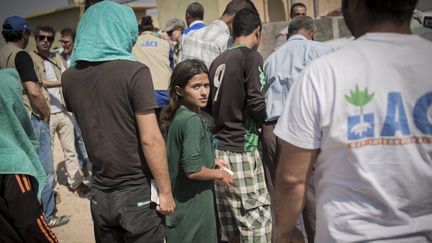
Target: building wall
{"x": 168, "y": 9}
{"x": 67, "y": 17}
{"x": 59, "y": 19}
{"x": 269, "y": 10}
{"x": 328, "y": 28}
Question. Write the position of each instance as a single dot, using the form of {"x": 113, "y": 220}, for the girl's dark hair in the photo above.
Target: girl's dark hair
{"x": 182, "y": 73}
{"x": 146, "y": 24}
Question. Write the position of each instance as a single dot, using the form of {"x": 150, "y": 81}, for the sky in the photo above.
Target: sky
{"x": 27, "y": 7}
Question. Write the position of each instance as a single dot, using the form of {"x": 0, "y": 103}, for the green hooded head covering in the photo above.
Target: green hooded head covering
{"x": 107, "y": 31}
{"x": 18, "y": 142}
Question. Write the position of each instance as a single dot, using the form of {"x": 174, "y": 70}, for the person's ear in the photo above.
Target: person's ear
{"x": 179, "y": 91}
{"x": 257, "y": 32}
{"x": 313, "y": 34}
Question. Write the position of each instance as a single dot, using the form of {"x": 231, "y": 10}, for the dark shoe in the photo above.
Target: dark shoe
{"x": 58, "y": 221}
{"x": 82, "y": 191}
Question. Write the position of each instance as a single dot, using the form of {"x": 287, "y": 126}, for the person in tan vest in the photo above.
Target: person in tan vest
{"x": 154, "y": 52}
{"x": 174, "y": 28}
{"x": 67, "y": 40}
{"x": 49, "y": 67}
{"x": 16, "y": 33}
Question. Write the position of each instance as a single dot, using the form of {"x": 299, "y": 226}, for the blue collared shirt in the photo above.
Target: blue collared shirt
{"x": 284, "y": 65}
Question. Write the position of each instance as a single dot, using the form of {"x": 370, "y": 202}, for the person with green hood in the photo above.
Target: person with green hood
{"x": 112, "y": 96}
{"x": 22, "y": 176}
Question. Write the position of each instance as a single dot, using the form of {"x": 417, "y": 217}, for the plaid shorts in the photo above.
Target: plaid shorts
{"x": 244, "y": 209}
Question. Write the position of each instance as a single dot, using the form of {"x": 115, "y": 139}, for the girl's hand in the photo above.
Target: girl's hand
{"x": 226, "y": 178}
{"x": 220, "y": 164}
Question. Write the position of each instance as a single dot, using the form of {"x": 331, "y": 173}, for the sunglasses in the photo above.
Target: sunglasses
{"x": 42, "y": 38}
{"x": 171, "y": 31}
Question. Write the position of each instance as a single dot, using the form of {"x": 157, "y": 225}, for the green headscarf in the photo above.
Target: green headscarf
{"x": 18, "y": 142}
{"x": 106, "y": 32}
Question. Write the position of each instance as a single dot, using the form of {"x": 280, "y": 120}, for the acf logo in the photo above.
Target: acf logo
{"x": 149, "y": 44}
{"x": 396, "y": 128}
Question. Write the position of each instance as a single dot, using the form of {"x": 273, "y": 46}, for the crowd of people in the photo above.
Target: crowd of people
{"x": 192, "y": 137}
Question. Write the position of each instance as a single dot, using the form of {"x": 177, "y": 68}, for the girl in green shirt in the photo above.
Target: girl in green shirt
{"x": 191, "y": 157}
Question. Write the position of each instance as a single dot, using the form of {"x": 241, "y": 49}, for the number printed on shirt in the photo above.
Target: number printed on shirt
{"x": 217, "y": 81}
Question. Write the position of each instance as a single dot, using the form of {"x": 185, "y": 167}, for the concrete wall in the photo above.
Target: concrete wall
{"x": 328, "y": 28}
{"x": 168, "y": 9}
{"x": 269, "y": 10}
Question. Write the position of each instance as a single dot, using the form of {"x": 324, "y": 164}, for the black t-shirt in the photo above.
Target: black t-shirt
{"x": 237, "y": 101}
{"x": 24, "y": 66}
{"x": 104, "y": 97}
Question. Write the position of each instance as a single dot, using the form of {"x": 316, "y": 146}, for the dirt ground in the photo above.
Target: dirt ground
{"x": 80, "y": 227}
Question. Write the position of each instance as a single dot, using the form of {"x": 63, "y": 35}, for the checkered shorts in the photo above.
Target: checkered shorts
{"x": 244, "y": 209}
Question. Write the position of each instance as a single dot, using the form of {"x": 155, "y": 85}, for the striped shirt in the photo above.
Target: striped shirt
{"x": 206, "y": 43}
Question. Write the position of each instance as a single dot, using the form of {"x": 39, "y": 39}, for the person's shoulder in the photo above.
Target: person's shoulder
{"x": 423, "y": 41}
{"x": 33, "y": 54}
{"x": 320, "y": 44}
{"x": 251, "y": 54}
{"x": 220, "y": 59}
{"x": 186, "y": 114}
{"x": 319, "y": 48}
{"x": 22, "y": 54}
{"x": 126, "y": 65}
{"x": 185, "y": 117}
{"x": 219, "y": 27}
{"x": 56, "y": 57}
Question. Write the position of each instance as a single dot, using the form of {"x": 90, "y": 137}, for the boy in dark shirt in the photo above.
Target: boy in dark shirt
{"x": 238, "y": 107}
{"x": 112, "y": 98}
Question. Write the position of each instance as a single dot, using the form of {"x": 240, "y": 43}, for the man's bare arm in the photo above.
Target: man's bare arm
{"x": 155, "y": 153}
{"x": 37, "y": 99}
{"x": 52, "y": 84}
{"x": 292, "y": 176}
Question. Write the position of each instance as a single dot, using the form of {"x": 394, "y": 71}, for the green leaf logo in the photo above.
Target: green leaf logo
{"x": 262, "y": 78}
{"x": 359, "y": 98}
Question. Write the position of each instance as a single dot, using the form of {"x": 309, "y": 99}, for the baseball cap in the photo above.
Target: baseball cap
{"x": 172, "y": 23}
{"x": 15, "y": 24}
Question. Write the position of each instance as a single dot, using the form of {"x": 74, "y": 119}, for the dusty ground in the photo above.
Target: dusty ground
{"x": 80, "y": 227}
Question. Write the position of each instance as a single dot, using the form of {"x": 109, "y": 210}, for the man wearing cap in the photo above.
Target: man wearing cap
{"x": 16, "y": 33}
{"x": 174, "y": 28}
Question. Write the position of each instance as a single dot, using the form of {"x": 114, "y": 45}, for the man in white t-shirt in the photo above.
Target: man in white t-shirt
{"x": 362, "y": 116}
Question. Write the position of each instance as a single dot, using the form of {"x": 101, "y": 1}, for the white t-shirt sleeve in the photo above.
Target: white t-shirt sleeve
{"x": 299, "y": 123}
